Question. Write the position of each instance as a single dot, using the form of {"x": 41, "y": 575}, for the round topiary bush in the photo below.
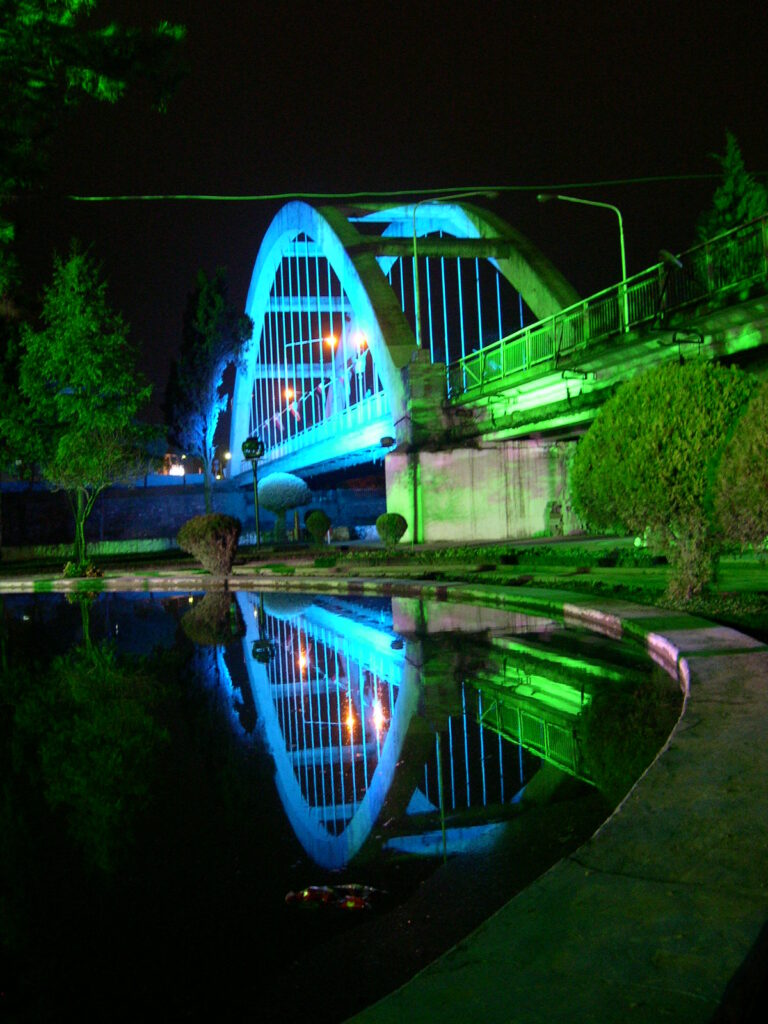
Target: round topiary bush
{"x": 318, "y": 524}
{"x": 391, "y": 526}
{"x": 212, "y": 539}
{"x": 280, "y": 492}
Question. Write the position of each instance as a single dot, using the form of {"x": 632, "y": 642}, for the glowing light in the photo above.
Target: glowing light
{"x": 288, "y": 393}
{"x": 191, "y": 600}
{"x": 303, "y": 660}
{"x": 331, "y": 341}
{"x": 360, "y": 340}
{"x": 176, "y": 470}
{"x": 227, "y": 456}
{"x": 350, "y": 720}
{"x": 379, "y": 719}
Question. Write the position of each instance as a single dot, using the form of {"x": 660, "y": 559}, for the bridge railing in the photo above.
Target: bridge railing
{"x": 707, "y": 271}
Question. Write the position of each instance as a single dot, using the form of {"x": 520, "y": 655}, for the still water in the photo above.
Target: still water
{"x": 282, "y": 804}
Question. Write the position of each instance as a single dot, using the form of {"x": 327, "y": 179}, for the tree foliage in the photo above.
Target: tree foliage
{"x": 213, "y": 540}
{"x": 74, "y": 415}
{"x": 214, "y": 335}
{"x": 741, "y": 491}
{"x": 391, "y": 526}
{"x": 52, "y": 56}
{"x": 737, "y": 199}
{"x": 280, "y": 492}
{"x": 649, "y": 459}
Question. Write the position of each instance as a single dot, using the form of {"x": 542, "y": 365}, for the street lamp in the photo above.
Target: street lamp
{"x": 253, "y": 449}
{"x": 545, "y": 197}
{"x": 435, "y": 199}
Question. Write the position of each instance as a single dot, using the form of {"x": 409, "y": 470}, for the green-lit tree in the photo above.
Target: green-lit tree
{"x": 214, "y": 335}
{"x": 649, "y": 460}
{"x": 51, "y": 57}
{"x": 737, "y": 199}
{"x": 74, "y": 416}
{"x": 741, "y": 489}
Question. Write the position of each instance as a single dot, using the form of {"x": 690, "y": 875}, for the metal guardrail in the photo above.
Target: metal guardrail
{"x": 707, "y": 271}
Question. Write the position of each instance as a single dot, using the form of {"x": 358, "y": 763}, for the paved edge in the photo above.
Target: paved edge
{"x": 655, "y": 914}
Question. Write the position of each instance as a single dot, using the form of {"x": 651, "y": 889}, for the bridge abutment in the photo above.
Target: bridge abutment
{"x": 489, "y": 492}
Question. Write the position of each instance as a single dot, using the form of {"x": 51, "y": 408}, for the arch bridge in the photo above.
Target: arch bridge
{"x": 436, "y": 334}
{"x": 334, "y": 297}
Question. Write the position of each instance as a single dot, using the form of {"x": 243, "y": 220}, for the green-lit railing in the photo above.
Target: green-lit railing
{"x": 728, "y": 263}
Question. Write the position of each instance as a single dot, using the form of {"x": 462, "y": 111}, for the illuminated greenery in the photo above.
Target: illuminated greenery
{"x": 739, "y": 197}
{"x": 280, "y": 492}
{"x": 74, "y": 415}
{"x": 391, "y": 526}
{"x": 215, "y": 333}
{"x": 212, "y": 539}
{"x": 741, "y": 495}
{"x": 648, "y": 462}
{"x": 52, "y": 57}
{"x": 318, "y": 524}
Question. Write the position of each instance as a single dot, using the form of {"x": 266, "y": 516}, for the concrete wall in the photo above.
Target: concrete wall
{"x": 497, "y": 492}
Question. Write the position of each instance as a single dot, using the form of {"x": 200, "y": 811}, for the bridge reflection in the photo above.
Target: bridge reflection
{"x": 386, "y": 729}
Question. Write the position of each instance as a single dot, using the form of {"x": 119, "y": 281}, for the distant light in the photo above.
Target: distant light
{"x": 183, "y": 456}
{"x": 360, "y": 340}
{"x": 350, "y": 719}
{"x": 191, "y": 600}
{"x": 331, "y": 341}
{"x": 227, "y": 456}
{"x": 379, "y": 719}
{"x": 302, "y": 660}
{"x": 176, "y": 470}
{"x": 288, "y": 393}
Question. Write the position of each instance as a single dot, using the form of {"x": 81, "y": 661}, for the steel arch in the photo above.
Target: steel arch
{"x": 360, "y": 262}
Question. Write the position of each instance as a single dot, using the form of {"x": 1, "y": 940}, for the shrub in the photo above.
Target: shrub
{"x": 648, "y": 462}
{"x": 212, "y": 539}
{"x": 280, "y": 492}
{"x": 391, "y": 526}
{"x": 741, "y": 488}
{"x": 318, "y": 524}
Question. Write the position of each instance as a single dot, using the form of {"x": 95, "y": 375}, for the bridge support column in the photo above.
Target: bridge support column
{"x": 499, "y": 491}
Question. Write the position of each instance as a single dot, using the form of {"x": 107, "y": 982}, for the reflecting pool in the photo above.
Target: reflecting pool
{"x": 283, "y": 804}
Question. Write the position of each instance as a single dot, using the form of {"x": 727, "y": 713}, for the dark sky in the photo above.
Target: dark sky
{"x": 335, "y": 97}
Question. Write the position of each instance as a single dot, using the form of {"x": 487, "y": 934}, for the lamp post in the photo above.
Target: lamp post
{"x": 545, "y": 197}
{"x": 253, "y": 449}
{"x": 435, "y": 199}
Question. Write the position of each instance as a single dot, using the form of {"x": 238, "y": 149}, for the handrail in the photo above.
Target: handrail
{"x": 714, "y": 267}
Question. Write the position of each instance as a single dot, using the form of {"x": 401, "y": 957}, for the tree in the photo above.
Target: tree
{"x": 741, "y": 490}
{"x": 280, "y": 492}
{"x": 737, "y": 199}
{"x": 648, "y": 461}
{"x": 79, "y": 392}
{"x": 50, "y": 59}
{"x": 214, "y": 336}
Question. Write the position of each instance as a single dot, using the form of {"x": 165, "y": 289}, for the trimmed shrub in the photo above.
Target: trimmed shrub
{"x": 649, "y": 459}
{"x": 212, "y": 540}
{"x": 318, "y": 524}
{"x": 280, "y": 492}
{"x": 741, "y": 488}
{"x": 391, "y": 526}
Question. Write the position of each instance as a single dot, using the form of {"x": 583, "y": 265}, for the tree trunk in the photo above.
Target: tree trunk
{"x": 207, "y": 486}
{"x": 79, "y": 508}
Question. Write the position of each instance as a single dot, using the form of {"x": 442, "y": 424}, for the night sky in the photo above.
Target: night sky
{"x": 337, "y": 97}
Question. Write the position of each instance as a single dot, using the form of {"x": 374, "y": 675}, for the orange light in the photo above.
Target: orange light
{"x": 350, "y": 720}
{"x": 302, "y": 660}
{"x": 378, "y": 716}
{"x": 331, "y": 341}
{"x": 288, "y": 393}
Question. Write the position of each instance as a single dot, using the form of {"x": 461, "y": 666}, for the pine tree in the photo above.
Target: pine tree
{"x": 738, "y": 198}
